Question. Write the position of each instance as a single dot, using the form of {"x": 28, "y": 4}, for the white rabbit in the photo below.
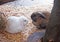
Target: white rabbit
{"x": 16, "y": 24}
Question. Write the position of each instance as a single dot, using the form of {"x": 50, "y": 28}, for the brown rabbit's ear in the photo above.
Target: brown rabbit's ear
{"x": 47, "y": 14}
{"x": 5, "y": 1}
{"x": 42, "y": 15}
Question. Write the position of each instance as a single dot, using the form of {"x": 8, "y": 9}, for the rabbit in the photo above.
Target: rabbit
{"x": 16, "y": 24}
{"x": 40, "y": 19}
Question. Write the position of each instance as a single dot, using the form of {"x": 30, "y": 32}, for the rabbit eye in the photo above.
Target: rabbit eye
{"x": 24, "y": 20}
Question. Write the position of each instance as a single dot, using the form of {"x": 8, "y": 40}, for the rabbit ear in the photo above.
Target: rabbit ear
{"x": 42, "y": 15}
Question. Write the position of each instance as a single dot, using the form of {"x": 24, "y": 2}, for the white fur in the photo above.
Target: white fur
{"x": 16, "y": 24}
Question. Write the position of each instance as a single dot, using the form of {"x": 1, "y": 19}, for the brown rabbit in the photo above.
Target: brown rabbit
{"x": 40, "y": 19}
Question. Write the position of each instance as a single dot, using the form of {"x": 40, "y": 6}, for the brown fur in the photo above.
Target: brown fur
{"x": 40, "y": 20}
